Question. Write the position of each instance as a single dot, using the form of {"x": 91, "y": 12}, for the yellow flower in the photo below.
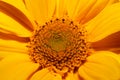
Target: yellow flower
{"x": 80, "y": 40}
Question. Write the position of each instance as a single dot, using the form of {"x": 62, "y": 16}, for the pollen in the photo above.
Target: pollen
{"x": 60, "y": 43}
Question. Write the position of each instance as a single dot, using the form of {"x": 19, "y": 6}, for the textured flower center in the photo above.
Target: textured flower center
{"x": 57, "y": 41}
{"x": 60, "y": 43}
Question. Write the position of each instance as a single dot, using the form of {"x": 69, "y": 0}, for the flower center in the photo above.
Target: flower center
{"x": 60, "y": 43}
{"x": 57, "y": 42}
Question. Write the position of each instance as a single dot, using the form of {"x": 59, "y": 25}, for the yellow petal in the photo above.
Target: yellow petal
{"x": 61, "y": 8}
{"x": 4, "y": 54}
{"x": 7, "y": 35}
{"x": 78, "y": 7}
{"x": 39, "y": 74}
{"x": 72, "y": 76}
{"x": 18, "y": 4}
{"x": 101, "y": 65}
{"x": 71, "y": 7}
{"x": 42, "y": 10}
{"x": 45, "y": 74}
{"x": 111, "y": 43}
{"x": 11, "y": 47}
{"x": 10, "y": 24}
{"x": 105, "y": 23}
{"x": 84, "y": 10}
{"x": 51, "y": 76}
{"x": 17, "y": 67}
{"x": 57, "y": 77}
{"x": 94, "y": 10}
{"x": 25, "y": 18}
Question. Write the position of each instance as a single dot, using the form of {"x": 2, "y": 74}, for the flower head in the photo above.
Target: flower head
{"x": 59, "y": 40}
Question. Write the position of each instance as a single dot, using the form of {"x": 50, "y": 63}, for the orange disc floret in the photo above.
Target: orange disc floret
{"x": 61, "y": 43}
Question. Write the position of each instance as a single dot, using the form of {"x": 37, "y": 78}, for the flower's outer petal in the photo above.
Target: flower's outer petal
{"x": 42, "y": 10}
{"x": 91, "y": 9}
{"x": 9, "y": 24}
{"x": 45, "y": 74}
{"x": 84, "y": 10}
{"x": 39, "y": 74}
{"x": 110, "y": 43}
{"x": 104, "y": 24}
{"x": 78, "y": 6}
{"x": 8, "y": 47}
{"x": 72, "y": 76}
{"x": 60, "y": 8}
{"x": 17, "y": 67}
{"x": 102, "y": 65}
{"x": 8, "y": 35}
{"x": 16, "y": 9}
{"x": 19, "y": 4}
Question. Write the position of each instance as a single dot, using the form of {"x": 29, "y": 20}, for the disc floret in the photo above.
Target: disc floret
{"x": 60, "y": 43}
